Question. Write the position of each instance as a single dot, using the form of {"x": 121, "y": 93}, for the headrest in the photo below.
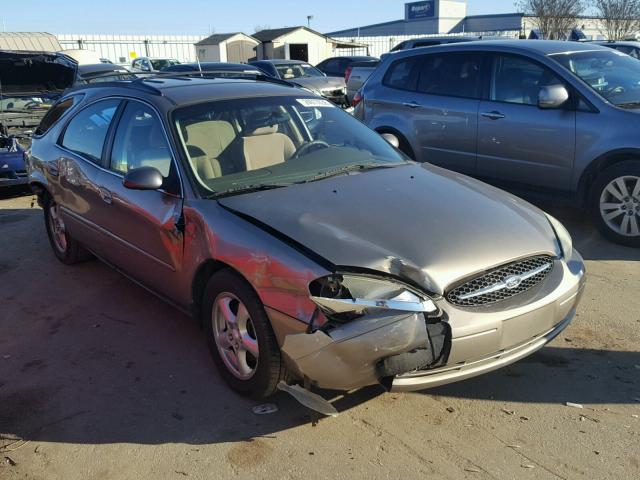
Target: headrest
{"x": 265, "y": 122}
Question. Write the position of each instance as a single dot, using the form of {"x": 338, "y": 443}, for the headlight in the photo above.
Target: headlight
{"x": 563, "y": 236}
{"x": 353, "y": 294}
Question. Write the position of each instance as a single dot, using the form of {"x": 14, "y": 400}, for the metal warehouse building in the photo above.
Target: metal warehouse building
{"x": 447, "y": 17}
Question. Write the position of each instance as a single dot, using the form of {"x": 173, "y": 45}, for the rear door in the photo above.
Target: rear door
{"x": 518, "y": 142}
{"x": 78, "y": 168}
{"x": 144, "y": 227}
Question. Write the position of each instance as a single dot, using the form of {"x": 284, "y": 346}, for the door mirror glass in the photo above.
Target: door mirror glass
{"x": 552, "y": 96}
{"x": 391, "y": 139}
{"x": 143, "y": 178}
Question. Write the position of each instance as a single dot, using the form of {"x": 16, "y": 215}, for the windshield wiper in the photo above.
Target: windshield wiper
{"x": 350, "y": 168}
{"x": 628, "y": 105}
{"x": 247, "y": 189}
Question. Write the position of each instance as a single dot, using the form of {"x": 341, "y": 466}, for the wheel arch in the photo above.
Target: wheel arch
{"x": 600, "y": 164}
{"x": 404, "y": 143}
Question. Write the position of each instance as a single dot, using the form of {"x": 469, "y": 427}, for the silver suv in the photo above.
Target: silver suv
{"x": 556, "y": 119}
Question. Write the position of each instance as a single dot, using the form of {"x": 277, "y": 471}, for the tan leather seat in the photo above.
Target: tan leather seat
{"x": 206, "y": 142}
{"x": 263, "y": 145}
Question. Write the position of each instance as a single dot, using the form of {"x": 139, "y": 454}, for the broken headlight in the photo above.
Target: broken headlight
{"x": 351, "y": 295}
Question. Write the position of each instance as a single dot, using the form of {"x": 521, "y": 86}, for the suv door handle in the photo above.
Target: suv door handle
{"x": 411, "y": 104}
{"x": 106, "y": 196}
{"x": 493, "y": 115}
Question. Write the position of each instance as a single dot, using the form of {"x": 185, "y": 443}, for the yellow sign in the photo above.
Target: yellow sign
{"x": 133, "y": 55}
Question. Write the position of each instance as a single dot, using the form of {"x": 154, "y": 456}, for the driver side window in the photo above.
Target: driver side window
{"x": 140, "y": 142}
{"x": 518, "y": 80}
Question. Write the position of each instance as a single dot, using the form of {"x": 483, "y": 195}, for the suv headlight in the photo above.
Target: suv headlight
{"x": 353, "y": 294}
{"x": 563, "y": 236}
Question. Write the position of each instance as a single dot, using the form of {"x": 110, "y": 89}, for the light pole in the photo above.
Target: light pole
{"x": 309, "y": 18}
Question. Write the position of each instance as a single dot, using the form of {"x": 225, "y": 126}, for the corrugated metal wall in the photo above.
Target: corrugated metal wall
{"x": 383, "y": 44}
{"x": 118, "y": 47}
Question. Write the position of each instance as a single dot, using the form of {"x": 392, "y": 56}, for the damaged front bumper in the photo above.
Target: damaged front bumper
{"x": 409, "y": 351}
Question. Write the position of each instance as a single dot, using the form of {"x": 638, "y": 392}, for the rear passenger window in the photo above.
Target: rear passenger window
{"x": 56, "y": 112}
{"x": 140, "y": 141}
{"x": 518, "y": 80}
{"x": 87, "y": 131}
{"x": 453, "y": 75}
{"x": 403, "y": 74}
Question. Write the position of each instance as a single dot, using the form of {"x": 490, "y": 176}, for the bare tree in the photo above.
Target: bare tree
{"x": 554, "y": 18}
{"x": 620, "y": 18}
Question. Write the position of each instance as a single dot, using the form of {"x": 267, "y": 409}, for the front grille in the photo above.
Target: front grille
{"x": 502, "y": 283}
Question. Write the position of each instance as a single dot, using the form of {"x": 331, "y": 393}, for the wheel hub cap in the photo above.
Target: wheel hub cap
{"x": 620, "y": 205}
{"x": 235, "y": 336}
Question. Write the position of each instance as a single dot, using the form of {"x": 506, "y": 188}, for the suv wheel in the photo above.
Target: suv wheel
{"x": 239, "y": 335}
{"x": 615, "y": 203}
{"x": 65, "y": 247}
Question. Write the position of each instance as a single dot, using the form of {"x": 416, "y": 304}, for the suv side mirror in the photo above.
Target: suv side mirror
{"x": 143, "y": 178}
{"x": 552, "y": 96}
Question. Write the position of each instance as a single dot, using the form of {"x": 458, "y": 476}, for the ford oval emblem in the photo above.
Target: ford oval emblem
{"x": 512, "y": 282}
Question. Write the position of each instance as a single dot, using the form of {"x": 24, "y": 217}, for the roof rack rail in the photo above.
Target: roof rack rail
{"x": 262, "y": 77}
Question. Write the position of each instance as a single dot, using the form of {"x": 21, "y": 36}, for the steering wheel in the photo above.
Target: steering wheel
{"x": 309, "y": 147}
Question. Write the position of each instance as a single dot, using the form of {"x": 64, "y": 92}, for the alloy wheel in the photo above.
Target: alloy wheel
{"x": 620, "y": 205}
{"x": 235, "y": 336}
{"x": 58, "y": 230}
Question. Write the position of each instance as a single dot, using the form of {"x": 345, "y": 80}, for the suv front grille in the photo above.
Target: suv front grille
{"x": 502, "y": 283}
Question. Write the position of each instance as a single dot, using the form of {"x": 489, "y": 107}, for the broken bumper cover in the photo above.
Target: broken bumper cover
{"x": 364, "y": 352}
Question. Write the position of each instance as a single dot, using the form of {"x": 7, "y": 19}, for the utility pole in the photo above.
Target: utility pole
{"x": 309, "y": 18}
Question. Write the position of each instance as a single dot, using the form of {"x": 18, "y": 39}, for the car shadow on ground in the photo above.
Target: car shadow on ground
{"x": 88, "y": 357}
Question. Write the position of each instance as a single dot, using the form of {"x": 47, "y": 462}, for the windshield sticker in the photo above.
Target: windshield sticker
{"x": 314, "y": 102}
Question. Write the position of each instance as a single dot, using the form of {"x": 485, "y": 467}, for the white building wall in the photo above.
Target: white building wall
{"x": 319, "y": 47}
{"x": 451, "y": 13}
{"x": 127, "y": 47}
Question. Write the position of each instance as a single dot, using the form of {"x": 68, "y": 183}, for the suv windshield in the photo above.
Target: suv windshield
{"x": 235, "y": 146}
{"x": 297, "y": 70}
{"x": 163, "y": 63}
{"x": 614, "y": 75}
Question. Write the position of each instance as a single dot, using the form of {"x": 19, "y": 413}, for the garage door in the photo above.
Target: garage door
{"x": 240, "y": 51}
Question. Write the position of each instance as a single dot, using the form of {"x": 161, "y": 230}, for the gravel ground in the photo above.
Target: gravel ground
{"x": 101, "y": 380}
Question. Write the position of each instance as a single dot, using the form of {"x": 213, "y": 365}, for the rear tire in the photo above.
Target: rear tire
{"x": 239, "y": 335}
{"x": 614, "y": 203}
{"x": 64, "y": 246}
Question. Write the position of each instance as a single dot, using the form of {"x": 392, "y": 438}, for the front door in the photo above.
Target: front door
{"x": 517, "y": 141}
{"x": 299, "y": 51}
{"x": 144, "y": 226}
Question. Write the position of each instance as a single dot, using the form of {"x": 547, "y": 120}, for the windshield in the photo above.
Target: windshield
{"x": 240, "y": 145}
{"x": 612, "y": 74}
{"x": 163, "y": 63}
{"x": 297, "y": 70}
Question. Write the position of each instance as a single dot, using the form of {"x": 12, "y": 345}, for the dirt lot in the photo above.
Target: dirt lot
{"x": 100, "y": 380}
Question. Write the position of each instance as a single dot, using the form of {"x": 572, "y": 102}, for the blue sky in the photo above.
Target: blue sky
{"x": 198, "y": 17}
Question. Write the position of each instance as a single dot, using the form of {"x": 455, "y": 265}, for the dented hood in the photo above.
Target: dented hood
{"x": 427, "y": 225}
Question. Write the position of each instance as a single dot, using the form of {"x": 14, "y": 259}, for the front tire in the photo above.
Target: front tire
{"x": 615, "y": 203}
{"x": 240, "y": 337}
{"x": 64, "y": 246}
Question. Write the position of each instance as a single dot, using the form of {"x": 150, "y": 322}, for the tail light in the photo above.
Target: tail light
{"x": 347, "y": 73}
{"x": 357, "y": 98}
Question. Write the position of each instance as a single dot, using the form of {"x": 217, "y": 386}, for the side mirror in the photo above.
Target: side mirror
{"x": 143, "y": 178}
{"x": 552, "y": 96}
{"x": 391, "y": 139}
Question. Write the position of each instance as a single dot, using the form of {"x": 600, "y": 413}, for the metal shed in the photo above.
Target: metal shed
{"x": 227, "y": 47}
{"x": 29, "y": 41}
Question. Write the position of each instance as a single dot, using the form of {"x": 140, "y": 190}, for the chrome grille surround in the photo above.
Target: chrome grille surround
{"x": 502, "y": 283}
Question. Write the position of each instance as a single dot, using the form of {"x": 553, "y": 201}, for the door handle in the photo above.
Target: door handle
{"x": 493, "y": 115}
{"x": 411, "y": 104}
{"x": 106, "y": 196}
